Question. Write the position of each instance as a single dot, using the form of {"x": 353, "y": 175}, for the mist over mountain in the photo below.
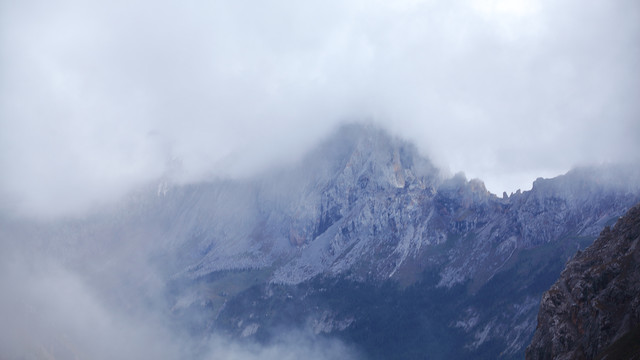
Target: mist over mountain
{"x": 101, "y": 97}
{"x": 194, "y": 180}
{"x": 363, "y": 248}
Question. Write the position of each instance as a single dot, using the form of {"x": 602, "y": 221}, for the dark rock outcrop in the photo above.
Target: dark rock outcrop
{"x": 593, "y": 310}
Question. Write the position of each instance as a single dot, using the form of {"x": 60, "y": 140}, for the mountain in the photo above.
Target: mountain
{"x": 593, "y": 310}
{"x": 364, "y": 240}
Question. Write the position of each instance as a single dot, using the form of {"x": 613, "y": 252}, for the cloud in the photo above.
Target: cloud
{"x": 98, "y": 97}
{"x": 50, "y": 311}
{"x": 290, "y": 346}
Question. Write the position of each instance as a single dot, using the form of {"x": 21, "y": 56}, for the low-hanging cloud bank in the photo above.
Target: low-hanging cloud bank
{"x": 51, "y": 312}
{"x": 98, "y": 97}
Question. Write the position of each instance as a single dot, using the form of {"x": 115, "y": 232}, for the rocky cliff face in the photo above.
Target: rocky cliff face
{"x": 593, "y": 310}
{"x": 371, "y": 210}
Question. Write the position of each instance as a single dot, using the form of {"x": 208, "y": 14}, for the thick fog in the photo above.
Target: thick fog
{"x": 51, "y": 314}
{"x": 50, "y": 309}
{"x": 98, "y": 97}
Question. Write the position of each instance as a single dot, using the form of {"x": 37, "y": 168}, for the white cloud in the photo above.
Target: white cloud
{"x": 51, "y": 312}
{"x": 98, "y": 97}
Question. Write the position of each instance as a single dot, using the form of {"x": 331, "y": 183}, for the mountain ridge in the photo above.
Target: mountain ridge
{"x": 364, "y": 212}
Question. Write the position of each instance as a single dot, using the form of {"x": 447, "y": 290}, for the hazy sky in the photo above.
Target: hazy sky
{"x": 100, "y": 96}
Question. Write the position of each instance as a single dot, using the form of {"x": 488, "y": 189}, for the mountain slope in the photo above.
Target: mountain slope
{"x": 593, "y": 310}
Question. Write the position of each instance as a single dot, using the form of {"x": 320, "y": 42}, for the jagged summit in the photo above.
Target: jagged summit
{"x": 369, "y": 205}
{"x": 361, "y": 149}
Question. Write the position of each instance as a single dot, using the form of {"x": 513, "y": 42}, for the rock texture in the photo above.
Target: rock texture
{"x": 593, "y": 310}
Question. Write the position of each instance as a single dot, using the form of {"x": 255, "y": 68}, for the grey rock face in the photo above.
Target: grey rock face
{"x": 596, "y": 301}
{"x": 370, "y": 205}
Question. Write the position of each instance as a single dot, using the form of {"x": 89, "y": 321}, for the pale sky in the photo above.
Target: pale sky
{"x": 97, "y": 97}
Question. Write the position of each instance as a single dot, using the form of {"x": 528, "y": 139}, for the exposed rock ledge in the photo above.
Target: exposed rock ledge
{"x": 593, "y": 310}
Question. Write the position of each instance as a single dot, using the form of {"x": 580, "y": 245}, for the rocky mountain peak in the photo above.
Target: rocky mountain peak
{"x": 363, "y": 153}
